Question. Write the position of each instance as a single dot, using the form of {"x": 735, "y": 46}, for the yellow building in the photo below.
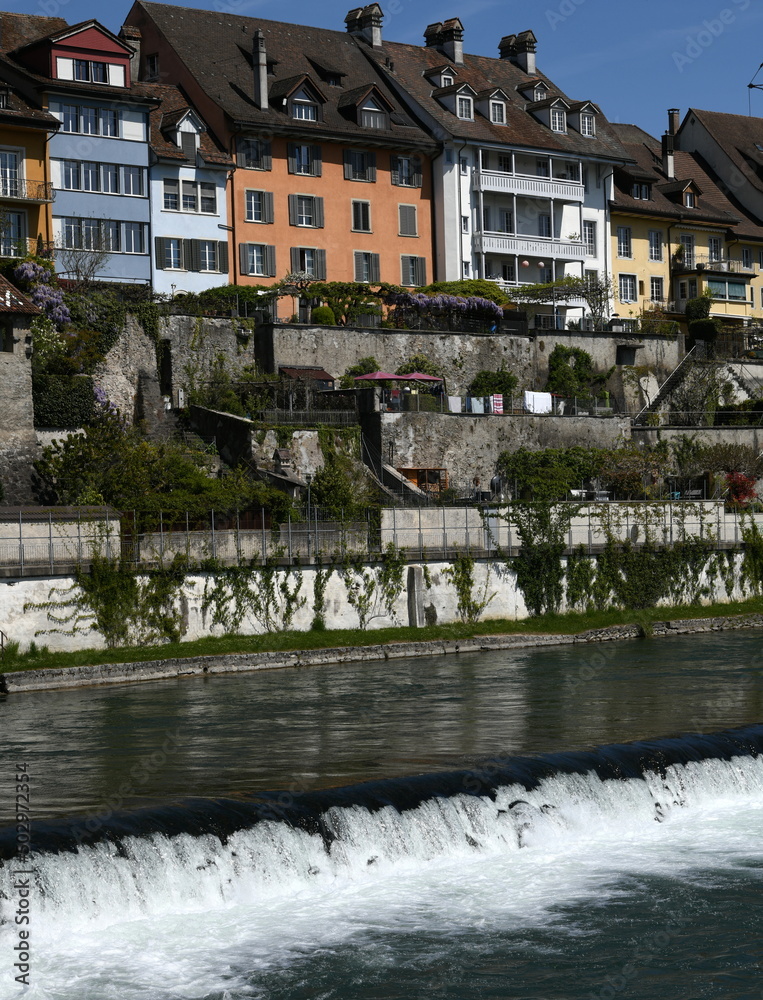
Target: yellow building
{"x": 676, "y": 236}
{"x": 26, "y": 191}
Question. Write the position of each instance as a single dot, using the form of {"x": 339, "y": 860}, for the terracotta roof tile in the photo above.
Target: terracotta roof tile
{"x": 13, "y": 301}
{"x": 216, "y": 48}
{"x": 171, "y": 109}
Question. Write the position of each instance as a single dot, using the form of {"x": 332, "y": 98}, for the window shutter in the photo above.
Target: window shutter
{"x": 316, "y": 158}
{"x": 347, "y": 165}
{"x": 292, "y": 157}
{"x": 295, "y": 258}
{"x": 160, "y": 256}
{"x": 318, "y": 216}
{"x": 293, "y": 207}
{"x": 407, "y": 220}
{"x": 268, "y": 207}
{"x": 188, "y": 145}
{"x": 222, "y": 257}
{"x": 375, "y": 267}
{"x": 243, "y": 153}
{"x": 418, "y": 174}
{"x": 320, "y": 265}
{"x": 406, "y": 271}
{"x": 358, "y": 266}
{"x": 195, "y": 255}
{"x": 394, "y": 166}
{"x": 371, "y": 171}
{"x": 187, "y": 255}
{"x": 270, "y": 261}
{"x": 243, "y": 258}
{"x": 266, "y": 154}
{"x": 421, "y": 271}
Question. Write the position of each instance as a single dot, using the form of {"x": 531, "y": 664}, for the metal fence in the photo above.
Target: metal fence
{"x": 35, "y": 545}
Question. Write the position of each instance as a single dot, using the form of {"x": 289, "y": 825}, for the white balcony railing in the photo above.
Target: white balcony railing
{"x": 533, "y": 187}
{"x": 539, "y": 246}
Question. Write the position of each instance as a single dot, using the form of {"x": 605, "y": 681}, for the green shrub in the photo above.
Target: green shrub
{"x": 61, "y": 401}
{"x": 323, "y": 316}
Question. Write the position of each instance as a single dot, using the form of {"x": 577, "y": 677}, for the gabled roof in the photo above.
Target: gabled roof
{"x": 738, "y": 136}
{"x": 285, "y": 88}
{"x": 354, "y": 98}
{"x": 13, "y": 301}
{"x": 21, "y": 112}
{"x": 414, "y": 64}
{"x": 216, "y": 48}
{"x": 74, "y": 29}
{"x": 172, "y": 108}
{"x": 714, "y": 205}
{"x": 18, "y": 30}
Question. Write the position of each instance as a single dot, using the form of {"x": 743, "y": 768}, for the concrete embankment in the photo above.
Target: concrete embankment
{"x": 151, "y": 670}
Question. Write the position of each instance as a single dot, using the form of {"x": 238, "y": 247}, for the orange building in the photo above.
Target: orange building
{"x": 26, "y": 191}
{"x": 332, "y": 176}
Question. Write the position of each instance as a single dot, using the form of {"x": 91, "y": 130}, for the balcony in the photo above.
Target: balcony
{"x": 534, "y": 246}
{"x": 19, "y": 189}
{"x": 533, "y": 187}
{"x": 712, "y": 266}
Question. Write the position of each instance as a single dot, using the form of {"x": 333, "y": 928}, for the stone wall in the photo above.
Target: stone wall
{"x": 751, "y": 436}
{"x": 427, "y": 598}
{"x": 18, "y": 442}
{"x": 469, "y": 446}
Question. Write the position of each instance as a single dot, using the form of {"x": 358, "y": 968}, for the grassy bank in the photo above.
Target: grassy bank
{"x": 567, "y": 624}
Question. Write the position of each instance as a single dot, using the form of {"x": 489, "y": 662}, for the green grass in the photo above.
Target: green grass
{"x": 567, "y": 624}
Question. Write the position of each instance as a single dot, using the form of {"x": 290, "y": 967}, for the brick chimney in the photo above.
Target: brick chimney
{"x": 507, "y": 47}
{"x": 132, "y": 38}
{"x": 668, "y": 156}
{"x": 674, "y": 120}
{"x": 366, "y": 23}
{"x": 260, "y": 69}
{"x": 526, "y": 45}
{"x": 447, "y": 37}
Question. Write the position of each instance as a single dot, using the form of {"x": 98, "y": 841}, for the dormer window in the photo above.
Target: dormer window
{"x": 4, "y": 96}
{"x": 188, "y": 143}
{"x": 447, "y": 81}
{"x": 642, "y": 192}
{"x": 304, "y": 107}
{"x": 541, "y": 93}
{"x": 498, "y": 112}
{"x": 372, "y": 115}
{"x": 558, "y": 120}
{"x": 689, "y": 199}
{"x": 587, "y": 124}
{"x": 86, "y": 71}
{"x": 465, "y": 108}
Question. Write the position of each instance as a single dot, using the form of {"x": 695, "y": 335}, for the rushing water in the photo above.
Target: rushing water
{"x": 455, "y": 827}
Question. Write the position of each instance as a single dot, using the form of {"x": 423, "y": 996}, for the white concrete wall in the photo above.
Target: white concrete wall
{"x": 428, "y": 597}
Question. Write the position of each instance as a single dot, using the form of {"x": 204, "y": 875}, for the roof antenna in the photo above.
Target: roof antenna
{"x": 752, "y": 85}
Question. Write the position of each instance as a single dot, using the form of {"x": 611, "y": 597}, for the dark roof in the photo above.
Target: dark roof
{"x": 713, "y": 205}
{"x": 738, "y": 136}
{"x": 20, "y": 111}
{"x": 18, "y": 30}
{"x": 13, "y": 301}
{"x": 216, "y": 48}
{"x": 172, "y": 107}
{"x": 306, "y": 373}
{"x": 413, "y": 63}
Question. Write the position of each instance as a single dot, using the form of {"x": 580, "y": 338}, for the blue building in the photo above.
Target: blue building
{"x": 99, "y": 158}
{"x": 189, "y": 208}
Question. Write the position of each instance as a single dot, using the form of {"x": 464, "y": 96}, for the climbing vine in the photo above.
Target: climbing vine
{"x": 470, "y": 605}
{"x": 124, "y": 607}
{"x": 267, "y": 594}
{"x": 373, "y": 591}
{"x": 320, "y": 584}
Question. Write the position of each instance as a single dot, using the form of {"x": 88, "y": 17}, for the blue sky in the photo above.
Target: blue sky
{"x": 634, "y": 60}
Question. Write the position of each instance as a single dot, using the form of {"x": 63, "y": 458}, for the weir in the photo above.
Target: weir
{"x": 201, "y": 855}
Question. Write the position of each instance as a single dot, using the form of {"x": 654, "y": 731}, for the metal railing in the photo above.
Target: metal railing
{"x": 20, "y": 189}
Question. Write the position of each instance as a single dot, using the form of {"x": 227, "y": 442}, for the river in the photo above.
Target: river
{"x": 527, "y": 824}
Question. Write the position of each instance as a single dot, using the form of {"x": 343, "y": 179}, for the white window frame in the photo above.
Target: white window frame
{"x": 656, "y": 246}
{"x": 626, "y": 282}
{"x": 364, "y": 209}
{"x": 656, "y": 282}
{"x": 558, "y": 120}
{"x": 715, "y": 249}
{"x": 498, "y": 112}
{"x": 590, "y": 238}
{"x": 625, "y": 242}
{"x": 128, "y": 241}
{"x": 587, "y": 123}
{"x": 464, "y": 108}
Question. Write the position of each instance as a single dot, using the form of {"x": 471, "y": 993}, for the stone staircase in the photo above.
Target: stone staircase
{"x": 668, "y": 386}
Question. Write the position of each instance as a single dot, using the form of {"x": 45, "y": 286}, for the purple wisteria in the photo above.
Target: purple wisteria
{"x": 448, "y": 312}
{"x": 39, "y": 283}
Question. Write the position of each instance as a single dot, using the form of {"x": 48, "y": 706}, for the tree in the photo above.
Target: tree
{"x": 597, "y": 293}
{"x": 551, "y": 473}
{"x": 366, "y": 366}
{"x": 486, "y": 383}
{"x": 82, "y": 262}
{"x": 571, "y": 373}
